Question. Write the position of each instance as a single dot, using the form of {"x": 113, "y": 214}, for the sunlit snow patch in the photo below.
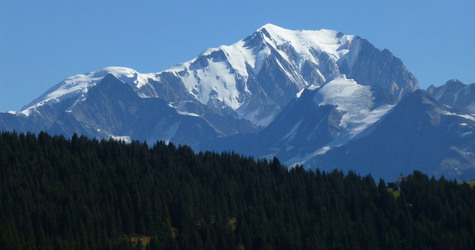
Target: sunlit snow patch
{"x": 355, "y": 100}
{"x": 359, "y": 112}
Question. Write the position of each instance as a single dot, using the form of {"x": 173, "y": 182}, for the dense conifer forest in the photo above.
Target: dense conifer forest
{"x": 78, "y": 193}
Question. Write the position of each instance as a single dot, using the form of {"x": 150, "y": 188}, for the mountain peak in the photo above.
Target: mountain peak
{"x": 456, "y": 94}
{"x": 270, "y": 67}
{"x": 323, "y": 40}
{"x": 270, "y": 26}
{"x": 246, "y": 94}
{"x": 454, "y": 82}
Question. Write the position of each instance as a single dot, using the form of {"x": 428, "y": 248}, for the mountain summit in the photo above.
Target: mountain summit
{"x": 278, "y": 92}
{"x": 253, "y": 78}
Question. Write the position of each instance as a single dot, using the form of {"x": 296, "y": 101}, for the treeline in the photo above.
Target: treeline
{"x": 57, "y": 193}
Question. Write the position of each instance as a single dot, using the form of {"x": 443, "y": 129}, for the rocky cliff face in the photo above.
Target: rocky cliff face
{"x": 455, "y": 94}
{"x": 380, "y": 68}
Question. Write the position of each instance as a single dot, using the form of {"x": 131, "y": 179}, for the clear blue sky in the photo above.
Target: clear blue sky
{"x": 43, "y": 42}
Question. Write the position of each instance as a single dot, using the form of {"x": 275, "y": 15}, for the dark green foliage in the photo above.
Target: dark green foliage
{"x": 89, "y": 194}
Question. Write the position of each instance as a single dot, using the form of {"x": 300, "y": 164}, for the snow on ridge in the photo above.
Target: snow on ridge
{"x": 465, "y": 116}
{"x": 356, "y": 103}
{"x": 217, "y": 78}
{"x": 180, "y": 109}
{"x": 351, "y": 130}
{"x": 327, "y": 41}
{"x": 77, "y": 86}
{"x": 240, "y": 56}
{"x": 301, "y": 160}
{"x": 216, "y": 81}
{"x": 345, "y": 93}
{"x": 130, "y": 76}
{"x": 354, "y": 99}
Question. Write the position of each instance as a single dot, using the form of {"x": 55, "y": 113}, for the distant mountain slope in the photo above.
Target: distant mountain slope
{"x": 321, "y": 119}
{"x": 417, "y": 134}
{"x": 455, "y": 94}
{"x": 237, "y": 89}
{"x": 303, "y": 96}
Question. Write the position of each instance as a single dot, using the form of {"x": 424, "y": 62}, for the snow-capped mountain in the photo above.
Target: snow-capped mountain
{"x": 76, "y": 87}
{"x": 253, "y": 78}
{"x": 297, "y": 95}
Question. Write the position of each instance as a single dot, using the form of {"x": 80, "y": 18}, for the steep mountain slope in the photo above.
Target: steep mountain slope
{"x": 318, "y": 98}
{"x": 237, "y": 89}
{"x": 417, "y": 134}
{"x": 318, "y": 120}
{"x": 113, "y": 110}
{"x": 455, "y": 94}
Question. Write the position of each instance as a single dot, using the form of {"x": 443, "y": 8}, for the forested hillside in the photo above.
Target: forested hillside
{"x": 57, "y": 193}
